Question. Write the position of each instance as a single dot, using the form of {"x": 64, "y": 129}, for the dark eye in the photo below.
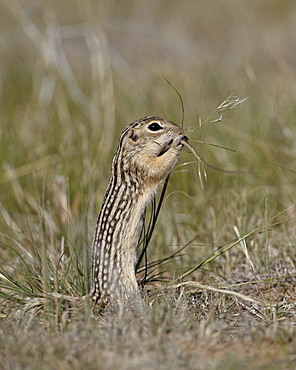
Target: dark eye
{"x": 154, "y": 126}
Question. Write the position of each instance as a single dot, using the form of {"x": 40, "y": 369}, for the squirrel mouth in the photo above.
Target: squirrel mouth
{"x": 177, "y": 142}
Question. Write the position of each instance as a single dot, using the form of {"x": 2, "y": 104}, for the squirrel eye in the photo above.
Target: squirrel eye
{"x": 154, "y": 126}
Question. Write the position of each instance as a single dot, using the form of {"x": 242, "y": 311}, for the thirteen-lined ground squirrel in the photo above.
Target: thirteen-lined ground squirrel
{"x": 146, "y": 153}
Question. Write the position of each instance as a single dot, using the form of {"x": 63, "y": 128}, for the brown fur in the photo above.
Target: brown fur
{"x": 147, "y": 151}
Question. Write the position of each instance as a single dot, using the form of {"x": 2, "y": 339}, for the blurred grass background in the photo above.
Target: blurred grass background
{"x": 75, "y": 73}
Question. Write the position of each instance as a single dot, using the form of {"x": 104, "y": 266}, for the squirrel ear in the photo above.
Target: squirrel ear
{"x": 134, "y": 137}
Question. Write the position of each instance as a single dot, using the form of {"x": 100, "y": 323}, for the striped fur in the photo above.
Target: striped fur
{"x": 144, "y": 157}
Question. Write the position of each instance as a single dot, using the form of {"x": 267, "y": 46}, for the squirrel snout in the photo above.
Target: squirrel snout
{"x": 178, "y": 140}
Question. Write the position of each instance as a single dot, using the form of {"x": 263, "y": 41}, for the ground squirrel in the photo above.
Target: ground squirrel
{"x": 147, "y": 151}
